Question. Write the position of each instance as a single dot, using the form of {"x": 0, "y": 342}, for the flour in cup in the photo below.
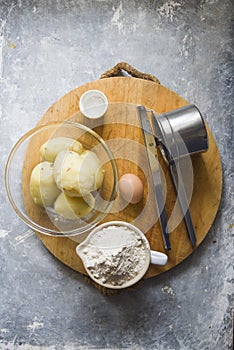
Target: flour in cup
{"x": 116, "y": 255}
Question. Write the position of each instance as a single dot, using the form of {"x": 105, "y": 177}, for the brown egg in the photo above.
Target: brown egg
{"x": 131, "y": 188}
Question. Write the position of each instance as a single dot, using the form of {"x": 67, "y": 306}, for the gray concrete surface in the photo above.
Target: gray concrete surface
{"x": 48, "y": 48}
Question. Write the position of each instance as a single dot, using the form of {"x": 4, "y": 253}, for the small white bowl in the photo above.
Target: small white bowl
{"x": 93, "y": 104}
{"x": 153, "y": 257}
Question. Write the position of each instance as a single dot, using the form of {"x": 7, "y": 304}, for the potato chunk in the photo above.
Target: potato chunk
{"x": 53, "y": 146}
{"x": 73, "y": 207}
{"x": 93, "y": 165}
{"x": 43, "y": 188}
{"x": 78, "y": 175}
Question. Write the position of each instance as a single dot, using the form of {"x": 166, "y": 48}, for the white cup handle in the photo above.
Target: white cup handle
{"x": 158, "y": 258}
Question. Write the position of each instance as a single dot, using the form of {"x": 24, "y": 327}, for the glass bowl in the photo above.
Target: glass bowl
{"x": 25, "y": 155}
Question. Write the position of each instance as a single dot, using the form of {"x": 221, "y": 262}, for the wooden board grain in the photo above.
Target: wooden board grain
{"x": 124, "y": 94}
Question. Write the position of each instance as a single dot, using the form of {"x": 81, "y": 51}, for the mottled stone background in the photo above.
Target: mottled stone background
{"x": 48, "y": 48}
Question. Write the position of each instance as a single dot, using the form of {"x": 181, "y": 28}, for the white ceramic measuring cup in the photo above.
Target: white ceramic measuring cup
{"x": 151, "y": 256}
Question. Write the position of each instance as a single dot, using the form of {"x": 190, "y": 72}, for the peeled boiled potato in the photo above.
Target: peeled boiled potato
{"x": 42, "y": 185}
{"x": 93, "y": 165}
{"x": 53, "y": 146}
{"x": 66, "y": 173}
{"x": 78, "y": 175}
{"x": 73, "y": 207}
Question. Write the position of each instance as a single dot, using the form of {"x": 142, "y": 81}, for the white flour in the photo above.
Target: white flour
{"x": 115, "y": 255}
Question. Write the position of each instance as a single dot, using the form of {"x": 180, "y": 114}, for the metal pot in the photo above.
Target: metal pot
{"x": 181, "y": 132}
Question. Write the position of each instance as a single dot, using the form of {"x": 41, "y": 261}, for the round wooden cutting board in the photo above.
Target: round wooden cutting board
{"x": 124, "y": 94}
